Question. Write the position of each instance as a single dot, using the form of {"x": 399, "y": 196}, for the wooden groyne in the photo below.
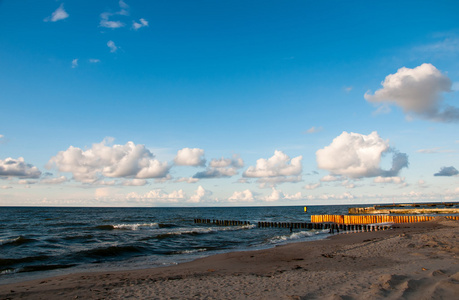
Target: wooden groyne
{"x": 221, "y": 222}
{"x": 289, "y": 225}
{"x": 346, "y": 219}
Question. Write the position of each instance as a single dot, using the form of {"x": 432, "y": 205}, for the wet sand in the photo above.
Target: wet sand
{"x": 411, "y": 261}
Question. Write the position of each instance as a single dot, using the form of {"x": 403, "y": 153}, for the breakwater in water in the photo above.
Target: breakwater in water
{"x": 331, "y": 226}
{"x": 346, "y": 219}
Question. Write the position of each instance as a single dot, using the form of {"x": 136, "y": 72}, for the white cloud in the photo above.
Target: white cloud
{"x": 455, "y": 86}
{"x": 347, "y": 89}
{"x": 314, "y": 129}
{"x": 418, "y": 92}
{"x": 244, "y": 196}
{"x": 313, "y": 186}
{"x": 190, "y": 157}
{"x": 11, "y": 167}
{"x": 223, "y": 167}
{"x": 276, "y": 169}
{"x": 394, "y": 179}
{"x": 435, "y": 150}
{"x": 27, "y": 181}
{"x": 142, "y": 23}
{"x": 277, "y": 195}
{"x": 187, "y": 180}
{"x": 117, "y": 161}
{"x": 57, "y": 180}
{"x": 134, "y": 182}
{"x": 123, "y": 4}
{"x": 445, "y": 47}
{"x": 5, "y": 187}
{"x": 343, "y": 196}
{"x": 58, "y": 14}
{"x": 111, "y": 24}
{"x": 356, "y": 155}
{"x": 348, "y": 184}
{"x": 105, "y": 17}
{"x": 94, "y": 60}
{"x": 422, "y": 183}
{"x": 158, "y": 195}
{"x": 75, "y": 63}
{"x": 201, "y": 195}
{"x": 112, "y": 46}
{"x": 331, "y": 178}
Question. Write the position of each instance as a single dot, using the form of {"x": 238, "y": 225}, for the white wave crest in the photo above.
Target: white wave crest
{"x": 201, "y": 230}
{"x": 135, "y": 226}
{"x": 191, "y": 251}
{"x": 295, "y": 236}
{"x": 11, "y": 240}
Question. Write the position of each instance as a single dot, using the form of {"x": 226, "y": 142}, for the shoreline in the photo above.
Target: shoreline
{"x": 408, "y": 261}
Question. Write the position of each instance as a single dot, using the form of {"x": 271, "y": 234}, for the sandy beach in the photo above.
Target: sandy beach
{"x": 411, "y": 261}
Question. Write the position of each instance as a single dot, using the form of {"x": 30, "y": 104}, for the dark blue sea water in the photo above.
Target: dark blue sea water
{"x": 43, "y": 241}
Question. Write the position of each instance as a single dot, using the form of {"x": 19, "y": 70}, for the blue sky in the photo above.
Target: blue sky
{"x": 217, "y": 103}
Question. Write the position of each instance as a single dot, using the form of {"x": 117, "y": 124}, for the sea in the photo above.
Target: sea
{"x": 37, "y": 242}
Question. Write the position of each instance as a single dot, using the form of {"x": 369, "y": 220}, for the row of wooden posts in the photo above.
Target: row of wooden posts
{"x": 326, "y": 221}
{"x": 221, "y": 222}
{"x": 347, "y": 219}
{"x": 337, "y": 227}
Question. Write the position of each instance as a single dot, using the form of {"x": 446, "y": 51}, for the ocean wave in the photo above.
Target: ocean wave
{"x": 7, "y": 262}
{"x": 16, "y": 241}
{"x": 136, "y": 226}
{"x": 190, "y": 251}
{"x": 295, "y": 236}
{"x": 198, "y": 231}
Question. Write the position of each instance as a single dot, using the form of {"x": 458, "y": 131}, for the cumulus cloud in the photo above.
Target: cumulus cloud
{"x": 58, "y": 14}
{"x": 112, "y": 46}
{"x": 137, "y": 25}
{"x": 356, "y": 155}
{"x": 94, "y": 60}
{"x": 190, "y": 157}
{"x": 11, "y": 167}
{"x": 276, "y": 169}
{"x": 244, "y": 196}
{"x": 75, "y": 63}
{"x": 201, "y": 195}
{"x": 447, "y": 171}
{"x": 418, "y": 92}
{"x": 102, "y": 160}
{"x": 223, "y": 167}
{"x": 277, "y": 195}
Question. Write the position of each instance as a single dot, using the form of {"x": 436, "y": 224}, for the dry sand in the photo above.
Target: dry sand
{"x": 412, "y": 261}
